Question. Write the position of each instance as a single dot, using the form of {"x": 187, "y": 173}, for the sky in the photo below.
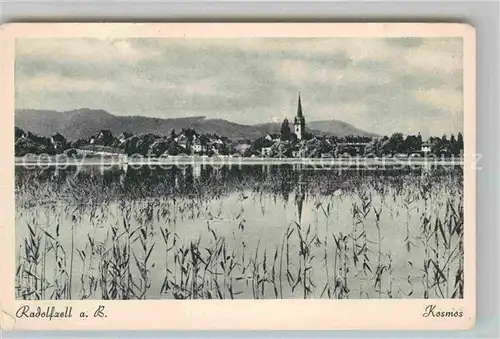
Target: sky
{"x": 381, "y": 85}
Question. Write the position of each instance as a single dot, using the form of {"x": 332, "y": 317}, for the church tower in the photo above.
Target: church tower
{"x": 300, "y": 122}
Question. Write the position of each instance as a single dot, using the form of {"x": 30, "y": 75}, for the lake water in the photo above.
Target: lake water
{"x": 252, "y": 231}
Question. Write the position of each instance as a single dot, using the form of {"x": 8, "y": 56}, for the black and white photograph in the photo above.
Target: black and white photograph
{"x": 239, "y": 168}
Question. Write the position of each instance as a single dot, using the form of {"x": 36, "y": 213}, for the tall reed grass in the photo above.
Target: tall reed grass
{"x": 357, "y": 236}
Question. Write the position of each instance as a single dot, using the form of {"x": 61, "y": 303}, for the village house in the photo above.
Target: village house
{"x": 272, "y": 136}
{"x": 123, "y": 137}
{"x": 217, "y": 141}
{"x": 327, "y": 148}
{"x": 425, "y": 148}
{"x": 215, "y": 149}
{"x": 277, "y": 148}
{"x": 282, "y": 149}
{"x": 182, "y": 141}
{"x": 311, "y": 148}
{"x": 444, "y": 152}
{"x": 267, "y": 147}
{"x": 241, "y": 149}
{"x": 351, "y": 148}
{"x": 266, "y": 151}
{"x": 295, "y": 152}
{"x": 199, "y": 145}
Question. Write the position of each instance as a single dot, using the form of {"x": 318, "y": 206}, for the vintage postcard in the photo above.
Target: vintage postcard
{"x": 239, "y": 176}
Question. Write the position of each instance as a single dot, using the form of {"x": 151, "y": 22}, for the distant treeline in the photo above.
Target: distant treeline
{"x": 284, "y": 144}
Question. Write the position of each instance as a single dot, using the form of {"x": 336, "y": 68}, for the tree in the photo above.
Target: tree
{"x": 460, "y": 141}
{"x": 33, "y": 145}
{"x": 116, "y": 143}
{"x": 286, "y": 133}
{"x": 444, "y": 141}
{"x": 131, "y": 145}
{"x": 77, "y": 143}
{"x": 71, "y": 152}
{"x": 173, "y": 148}
{"x": 58, "y": 141}
{"x": 454, "y": 146}
{"x": 258, "y": 144}
{"x": 412, "y": 144}
{"x": 452, "y": 139}
{"x": 373, "y": 147}
{"x": 26, "y": 146}
{"x": 103, "y": 137}
{"x": 396, "y": 143}
{"x": 18, "y": 133}
{"x": 143, "y": 144}
{"x": 158, "y": 147}
{"x": 442, "y": 146}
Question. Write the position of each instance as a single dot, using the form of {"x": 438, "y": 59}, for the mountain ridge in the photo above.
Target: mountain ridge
{"x": 84, "y": 122}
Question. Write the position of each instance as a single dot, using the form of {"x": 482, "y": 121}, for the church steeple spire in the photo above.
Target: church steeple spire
{"x": 300, "y": 122}
{"x": 299, "y": 108}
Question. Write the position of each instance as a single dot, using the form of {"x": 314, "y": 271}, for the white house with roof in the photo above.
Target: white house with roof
{"x": 425, "y": 148}
{"x": 266, "y": 151}
{"x": 198, "y": 146}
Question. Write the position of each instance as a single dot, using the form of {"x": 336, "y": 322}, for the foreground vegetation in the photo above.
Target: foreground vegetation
{"x": 238, "y": 233}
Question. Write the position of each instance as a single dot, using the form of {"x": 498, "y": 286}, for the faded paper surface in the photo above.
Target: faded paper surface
{"x": 291, "y": 312}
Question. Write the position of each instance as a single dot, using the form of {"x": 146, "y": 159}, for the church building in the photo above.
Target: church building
{"x": 299, "y": 122}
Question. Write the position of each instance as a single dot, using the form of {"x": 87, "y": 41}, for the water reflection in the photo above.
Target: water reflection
{"x": 279, "y": 231}
{"x": 126, "y": 182}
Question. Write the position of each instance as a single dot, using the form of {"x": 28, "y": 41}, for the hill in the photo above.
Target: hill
{"x": 82, "y": 123}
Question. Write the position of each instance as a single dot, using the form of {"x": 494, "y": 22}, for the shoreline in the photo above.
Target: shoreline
{"x": 113, "y": 161}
